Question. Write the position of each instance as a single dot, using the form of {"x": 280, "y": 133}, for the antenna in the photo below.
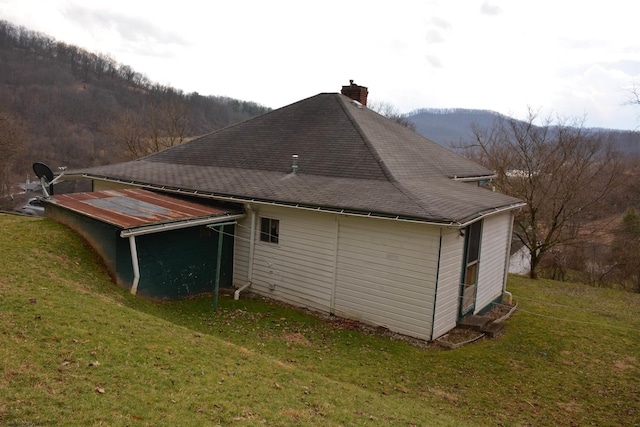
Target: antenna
{"x": 45, "y": 174}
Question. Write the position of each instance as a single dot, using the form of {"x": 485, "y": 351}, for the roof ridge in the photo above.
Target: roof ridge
{"x": 385, "y": 169}
{"x": 365, "y": 139}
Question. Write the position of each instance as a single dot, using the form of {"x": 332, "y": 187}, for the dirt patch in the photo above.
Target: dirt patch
{"x": 298, "y": 339}
{"x": 499, "y": 311}
{"x": 460, "y": 335}
{"x": 450, "y": 397}
{"x": 621, "y": 365}
{"x": 457, "y": 337}
{"x": 354, "y": 325}
{"x": 350, "y": 324}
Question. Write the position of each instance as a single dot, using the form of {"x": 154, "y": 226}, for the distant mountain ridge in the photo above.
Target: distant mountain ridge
{"x": 452, "y": 127}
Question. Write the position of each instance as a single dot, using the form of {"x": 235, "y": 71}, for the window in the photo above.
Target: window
{"x": 269, "y": 230}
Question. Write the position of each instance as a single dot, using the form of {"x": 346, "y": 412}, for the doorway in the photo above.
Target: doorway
{"x": 470, "y": 268}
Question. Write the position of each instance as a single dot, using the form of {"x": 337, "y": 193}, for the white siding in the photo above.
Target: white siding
{"x": 386, "y": 274}
{"x": 493, "y": 253}
{"x": 299, "y": 269}
{"x": 377, "y": 271}
{"x": 448, "y": 296}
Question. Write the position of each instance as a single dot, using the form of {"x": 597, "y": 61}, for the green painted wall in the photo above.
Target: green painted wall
{"x": 173, "y": 264}
{"x": 103, "y": 237}
{"x": 181, "y": 263}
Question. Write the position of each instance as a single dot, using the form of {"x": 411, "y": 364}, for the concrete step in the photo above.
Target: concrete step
{"x": 474, "y": 322}
{"x": 493, "y": 329}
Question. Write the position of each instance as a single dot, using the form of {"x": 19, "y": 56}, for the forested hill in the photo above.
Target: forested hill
{"x": 78, "y": 108}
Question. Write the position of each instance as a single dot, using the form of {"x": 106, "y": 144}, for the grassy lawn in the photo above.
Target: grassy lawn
{"x": 77, "y": 350}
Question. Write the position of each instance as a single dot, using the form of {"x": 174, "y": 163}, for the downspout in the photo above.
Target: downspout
{"x": 252, "y": 245}
{"x": 435, "y": 292}
{"x": 218, "y": 267}
{"x": 334, "y": 278}
{"x": 507, "y": 262}
{"x": 134, "y": 262}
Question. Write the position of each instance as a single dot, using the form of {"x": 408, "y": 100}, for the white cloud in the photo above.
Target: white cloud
{"x": 498, "y": 54}
{"x": 489, "y": 9}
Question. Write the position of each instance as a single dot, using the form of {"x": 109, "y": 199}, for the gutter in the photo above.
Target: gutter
{"x": 236, "y": 199}
{"x": 492, "y": 212}
{"x": 252, "y": 245}
{"x": 475, "y": 178}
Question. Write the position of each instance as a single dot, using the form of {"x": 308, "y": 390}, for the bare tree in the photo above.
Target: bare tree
{"x": 161, "y": 125}
{"x": 390, "y": 112}
{"x": 12, "y": 136}
{"x": 560, "y": 169}
{"x": 128, "y": 131}
{"x": 625, "y": 249}
{"x": 168, "y": 123}
{"x": 633, "y": 94}
{"x": 633, "y": 97}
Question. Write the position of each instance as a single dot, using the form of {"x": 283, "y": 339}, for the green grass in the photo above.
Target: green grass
{"x": 77, "y": 350}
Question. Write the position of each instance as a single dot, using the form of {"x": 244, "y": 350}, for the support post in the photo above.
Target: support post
{"x": 218, "y": 266}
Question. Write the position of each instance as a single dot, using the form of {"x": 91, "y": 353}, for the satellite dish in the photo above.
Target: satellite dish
{"x": 43, "y": 170}
{"x": 45, "y": 174}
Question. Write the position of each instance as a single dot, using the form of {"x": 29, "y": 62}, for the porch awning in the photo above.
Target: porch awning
{"x": 137, "y": 211}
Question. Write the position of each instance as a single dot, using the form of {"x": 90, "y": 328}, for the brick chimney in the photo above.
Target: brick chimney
{"x": 355, "y": 92}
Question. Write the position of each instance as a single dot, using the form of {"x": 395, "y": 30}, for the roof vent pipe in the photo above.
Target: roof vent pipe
{"x": 294, "y": 166}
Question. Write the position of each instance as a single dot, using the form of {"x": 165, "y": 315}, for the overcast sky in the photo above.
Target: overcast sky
{"x": 576, "y": 59}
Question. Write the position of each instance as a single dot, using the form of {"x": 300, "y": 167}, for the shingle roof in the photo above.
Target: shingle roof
{"x": 349, "y": 158}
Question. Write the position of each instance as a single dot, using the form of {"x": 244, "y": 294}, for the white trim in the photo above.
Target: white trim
{"x": 159, "y": 228}
{"x": 475, "y": 178}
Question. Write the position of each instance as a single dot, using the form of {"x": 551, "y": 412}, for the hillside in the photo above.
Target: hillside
{"x": 452, "y": 128}
{"x": 79, "y": 108}
{"x": 77, "y": 350}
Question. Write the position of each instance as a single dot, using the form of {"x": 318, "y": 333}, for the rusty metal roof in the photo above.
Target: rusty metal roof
{"x": 134, "y": 209}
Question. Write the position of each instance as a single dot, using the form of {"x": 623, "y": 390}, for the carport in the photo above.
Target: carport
{"x": 156, "y": 245}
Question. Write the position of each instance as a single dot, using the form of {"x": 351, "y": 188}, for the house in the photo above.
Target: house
{"x": 345, "y": 212}
{"x": 520, "y": 259}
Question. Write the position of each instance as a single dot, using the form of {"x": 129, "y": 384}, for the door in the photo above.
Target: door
{"x": 470, "y": 267}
